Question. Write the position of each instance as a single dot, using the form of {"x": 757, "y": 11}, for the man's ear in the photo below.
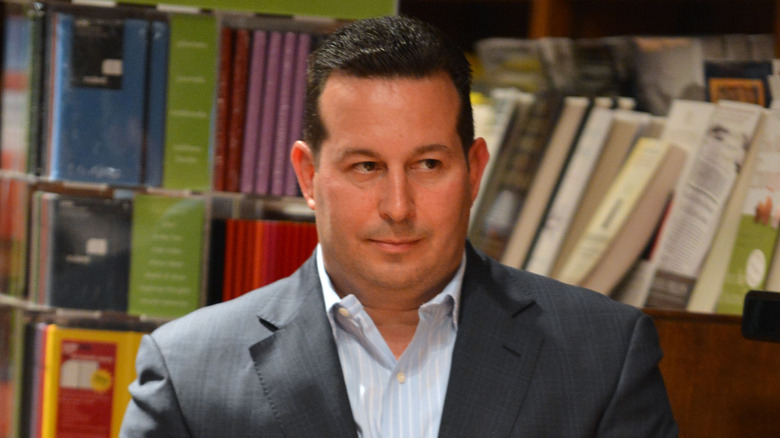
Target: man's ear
{"x": 303, "y": 162}
{"x": 478, "y": 159}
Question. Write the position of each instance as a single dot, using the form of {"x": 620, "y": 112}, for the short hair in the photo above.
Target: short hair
{"x": 386, "y": 47}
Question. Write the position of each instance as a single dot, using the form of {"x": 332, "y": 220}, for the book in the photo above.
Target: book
{"x": 87, "y": 252}
{"x": 713, "y": 271}
{"x": 237, "y": 110}
{"x": 505, "y": 103}
{"x": 14, "y": 219}
{"x": 543, "y": 186}
{"x": 167, "y": 258}
{"x": 626, "y": 217}
{"x": 668, "y": 68}
{"x": 698, "y": 205}
{"x": 223, "y": 105}
{"x": 253, "y": 110}
{"x": 685, "y": 125}
{"x": 268, "y": 114}
{"x": 497, "y": 208}
{"x": 191, "y": 87}
{"x": 282, "y": 142}
{"x": 15, "y": 91}
{"x": 12, "y": 365}
{"x": 154, "y": 147}
{"x": 512, "y": 62}
{"x": 757, "y": 230}
{"x": 742, "y": 81}
{"x": 96, "y": 113}
{"x": 567, "y": 198}
{"x": 625, "y": 129}
{"x": 85, "y": 380}
{"x": 298, "y": 100}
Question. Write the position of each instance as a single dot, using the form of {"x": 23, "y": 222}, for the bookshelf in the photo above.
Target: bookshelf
{"x": 720, "y": 384}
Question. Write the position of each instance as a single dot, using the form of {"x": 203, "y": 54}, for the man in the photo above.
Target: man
{"x": 397, "y": 327}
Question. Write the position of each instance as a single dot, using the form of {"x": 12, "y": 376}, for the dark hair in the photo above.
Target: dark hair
{"x": 386, "y": 47}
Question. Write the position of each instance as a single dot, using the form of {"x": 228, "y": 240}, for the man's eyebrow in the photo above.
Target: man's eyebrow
{"x": 370, "y": 153}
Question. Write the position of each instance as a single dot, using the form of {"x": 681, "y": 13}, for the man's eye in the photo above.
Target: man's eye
{"x": 366, "y": 166}
{"x": 430, "y": 164}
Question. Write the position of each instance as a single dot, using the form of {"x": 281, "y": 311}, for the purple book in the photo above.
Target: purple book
{"x": 253, "y": 113}
{"x": 296, "y": 113}
{"x": 281, "y": 150}
{"x": 268, "y": 117}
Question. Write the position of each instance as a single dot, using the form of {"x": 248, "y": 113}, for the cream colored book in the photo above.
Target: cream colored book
{"x": 627, "y": 216}
{"x": 543, "y": 186}
{"x": 567, "y": 198}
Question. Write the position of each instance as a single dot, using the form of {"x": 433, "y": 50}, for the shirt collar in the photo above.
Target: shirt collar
{"x": 451, "y": 290}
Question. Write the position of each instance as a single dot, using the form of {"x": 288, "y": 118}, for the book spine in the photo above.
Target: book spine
{"x": 155, "y": 104}
{"x": 237, "y": 110}
{"x": 223, "y": 106}
{"x": 284, "y": 114}
{"x": 269, "y": 113}
{"x": 296, "y": 117}
{"x": 253, "y": 110}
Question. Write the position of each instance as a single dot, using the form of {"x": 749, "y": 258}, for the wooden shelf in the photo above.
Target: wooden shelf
{"x": 720, "y": 384}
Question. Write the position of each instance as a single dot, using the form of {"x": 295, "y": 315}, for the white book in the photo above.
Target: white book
{"x": 574, "y": 180}
{"x": 698, "y": 205}
{"x": 543, "y": 186}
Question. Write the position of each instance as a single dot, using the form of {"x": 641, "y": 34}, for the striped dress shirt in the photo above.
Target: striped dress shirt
{"x": 395, "y": 398}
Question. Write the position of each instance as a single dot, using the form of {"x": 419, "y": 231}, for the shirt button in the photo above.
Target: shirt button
{"x": 401, "y": 377}
{"x": 344, "y": 312}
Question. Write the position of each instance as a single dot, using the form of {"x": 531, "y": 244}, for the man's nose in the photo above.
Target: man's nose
{"x": 396, "y": 199}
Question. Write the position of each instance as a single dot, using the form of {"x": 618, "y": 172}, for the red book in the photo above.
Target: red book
{"x": 235, "y": 137}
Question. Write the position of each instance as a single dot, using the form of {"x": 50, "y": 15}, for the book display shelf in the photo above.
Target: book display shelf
{"x": 720, "y": 383}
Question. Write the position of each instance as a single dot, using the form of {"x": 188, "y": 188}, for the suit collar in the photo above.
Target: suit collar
{"x": 297, "y": 361}
{"x": 495, "y": 352}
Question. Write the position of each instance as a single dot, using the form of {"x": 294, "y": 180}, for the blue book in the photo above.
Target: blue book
{"x": 96, "y": 117}
{"x": 156, "y": 104}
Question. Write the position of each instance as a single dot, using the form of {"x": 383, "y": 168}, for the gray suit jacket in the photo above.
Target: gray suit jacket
{"x": 533, "y": 357}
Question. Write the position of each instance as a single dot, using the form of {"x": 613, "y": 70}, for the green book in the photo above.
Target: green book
{"x": 166, "y": 261}
{"x": 191, "y": 82}
{"x": 754, "y": 245}
{"x": 347, "y": 9}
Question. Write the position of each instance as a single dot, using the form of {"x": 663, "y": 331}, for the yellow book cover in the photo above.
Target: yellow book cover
{"x": 86, "y": 376}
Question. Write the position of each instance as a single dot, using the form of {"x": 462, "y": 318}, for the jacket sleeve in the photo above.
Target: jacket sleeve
{"x": 640, "y": 405}
{"x": 154, "y": 409}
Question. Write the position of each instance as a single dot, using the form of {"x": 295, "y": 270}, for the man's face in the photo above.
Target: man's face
{"x": 392, "y": 188}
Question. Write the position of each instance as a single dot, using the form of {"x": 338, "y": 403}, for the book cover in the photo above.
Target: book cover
{"x": 253, "y": 110}
{"x": 15, "y": 91}
{"x": 497, "y": 208}
{"x": 222, "y": 120}
{"x": 698, "y": 205}
{"x": 543, "y": 185}
{"x": 668, "y": 68}
{"x": 237, "y": 110}
{"x": 88, "y": 252}
{"x": 296, "y": 117}
{"x": 154, "y": 149}
{"x": 741, "y": 81}
{"x": 512, "y": 62}
{"x": 85, "y": 381}
{"x": 191, "y": 84}
{"x": 268, "y": 115}
{"x": 167, "y": 259}
{"x": 97, "y": 99}
{"x": 567, "y": 198}
{"x": 281, "y": 148}
{"x": 626, "y": 217}
{"x": 757, "y": 232}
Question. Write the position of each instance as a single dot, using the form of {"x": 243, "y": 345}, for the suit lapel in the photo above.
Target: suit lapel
{"x": 495, "y": 354}
{"x": 297, "y": 361}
